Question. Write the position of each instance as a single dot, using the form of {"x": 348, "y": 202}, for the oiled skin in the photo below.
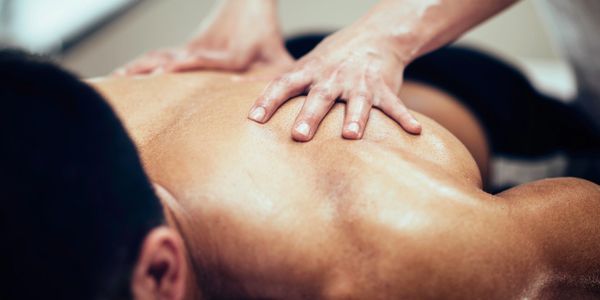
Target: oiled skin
{"x": 392, "y": 216}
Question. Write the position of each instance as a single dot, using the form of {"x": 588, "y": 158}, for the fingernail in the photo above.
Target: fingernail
{"x": 303, "y": 128}
{"x": 257, "y": 114}
{"x": 416, "y": 126}
{"x": 353, "y": 127}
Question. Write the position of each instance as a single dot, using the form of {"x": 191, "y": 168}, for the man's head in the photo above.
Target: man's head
{"x": 80, "y": 219}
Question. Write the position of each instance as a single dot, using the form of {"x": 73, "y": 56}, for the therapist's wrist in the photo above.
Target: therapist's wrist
{"x": 404, "y": 41}
{"x": 261, "y": 13}
{"x": 249, "y": 17}
{"x": 405, "y": 28}
{"x": 250, "y": 7}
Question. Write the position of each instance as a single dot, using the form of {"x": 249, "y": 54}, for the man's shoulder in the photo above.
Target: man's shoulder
{"x": 555, "y": 188}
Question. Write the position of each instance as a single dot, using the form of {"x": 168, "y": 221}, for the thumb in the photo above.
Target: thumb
{"x": 267, "y": 68}
{"x": 262, "y": 71}
{"x": 201, "y": 60}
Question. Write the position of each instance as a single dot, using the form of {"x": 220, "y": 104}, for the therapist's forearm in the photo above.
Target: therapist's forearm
{"x": 415, "y": 27}
{"x": 262, "y": 10}
{"x": 269, "y": 5}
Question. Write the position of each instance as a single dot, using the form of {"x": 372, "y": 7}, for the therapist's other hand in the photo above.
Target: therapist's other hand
{"x": 237, "y": 36}
{"x": 355, "y": 65}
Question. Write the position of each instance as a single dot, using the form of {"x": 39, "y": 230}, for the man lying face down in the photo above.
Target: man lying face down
{"x": 239, "y": 210}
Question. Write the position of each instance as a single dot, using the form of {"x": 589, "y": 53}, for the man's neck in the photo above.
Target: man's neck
{"x": 258, "y": 285}
{"x": 168, "y": 202}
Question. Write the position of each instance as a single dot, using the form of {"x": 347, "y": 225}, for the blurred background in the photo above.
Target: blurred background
{"x": 93, "y": 37}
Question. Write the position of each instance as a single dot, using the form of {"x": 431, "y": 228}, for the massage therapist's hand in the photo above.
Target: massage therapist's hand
{"x": 237, "y": 36}
{"x": 363, "y": 64}
{"x": 356, "y": 65}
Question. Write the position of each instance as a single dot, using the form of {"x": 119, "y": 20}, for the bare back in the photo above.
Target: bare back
{"x": 339, "y": 218}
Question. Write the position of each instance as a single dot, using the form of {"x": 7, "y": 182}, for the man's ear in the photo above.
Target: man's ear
{"x": 161, "y": 270}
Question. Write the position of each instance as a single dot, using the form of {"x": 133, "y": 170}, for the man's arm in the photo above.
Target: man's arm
{"x": 538, "y": 240}
{"x": 561, "y": 218}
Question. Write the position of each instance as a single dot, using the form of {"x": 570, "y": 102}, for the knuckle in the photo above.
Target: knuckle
{"x": 284, "y": 80}
{"x": 311, "y": 114}
{"x": 322, "y": 92}
{"x": 305, "y": 116}
{"x": 265, "y": 99}
{"x": 339, "y": 80}
{"x": 362, "y": 114}
{"x": 370, "y": 77}
{"x": 399, "y": 106}
{"x": 262, "y": 101}
{"x": 268, "y": 99}
{"x": 362, "y": 95}
{"x": 401, "y": 111}
{"x": 270, "y": 96}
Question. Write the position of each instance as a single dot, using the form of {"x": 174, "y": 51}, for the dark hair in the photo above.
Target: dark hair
{"x": 75, "y": 201}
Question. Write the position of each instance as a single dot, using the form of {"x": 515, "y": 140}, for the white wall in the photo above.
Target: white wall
{"x": 156, "y": 23}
